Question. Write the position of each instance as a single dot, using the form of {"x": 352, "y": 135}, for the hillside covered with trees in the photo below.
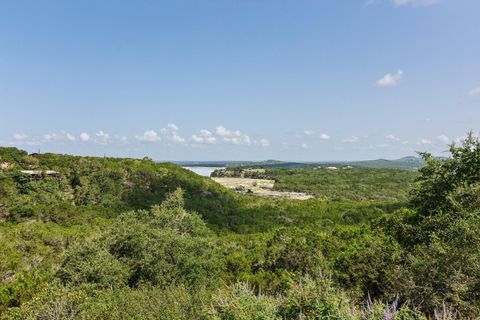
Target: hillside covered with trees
{"x": 107, "y": 238}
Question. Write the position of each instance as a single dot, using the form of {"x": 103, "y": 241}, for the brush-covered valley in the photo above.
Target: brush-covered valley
{"x": 111, "y": 238}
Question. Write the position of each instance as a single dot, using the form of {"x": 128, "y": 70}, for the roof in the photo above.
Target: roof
{"x": 39, "y": 172}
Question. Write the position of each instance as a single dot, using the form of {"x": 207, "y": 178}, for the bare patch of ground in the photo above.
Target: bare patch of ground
{"x": 262, "y": 187}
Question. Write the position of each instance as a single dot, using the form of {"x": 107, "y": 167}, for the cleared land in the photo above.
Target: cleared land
{"x": 262, "y": 187}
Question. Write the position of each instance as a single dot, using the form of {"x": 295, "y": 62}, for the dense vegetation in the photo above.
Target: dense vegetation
{"x": 336, "y": 184}
{"x": 133, "y": 239}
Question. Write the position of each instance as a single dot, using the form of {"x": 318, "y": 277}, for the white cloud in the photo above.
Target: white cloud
{"x": 102, "y": 137}
{"x": 443, "y": 139}
{"x": 58, "y": 137}
{"x": 84, "y": 137}
{"x": 50, "y": 136}
{"x": 264, "y": 142}
{"x": 171, "y": 133}
{"x": 20, "y": 136}
{"x": 324, "y": 136}
{"x": 26, "y": 142}
{"x": 175, "y": 138}
{"x": 399, "y": 3}
{"x": 415, "y": 2}
{"x": 352, "y": 139}
{"x": 392, "y": 137}
{"x": 172, "y": 126}
{"x": 222, "y": 131}
{"x": 305, "y": 146}
{"x": 204, "y": 137}
{"x": 390, "y": 79}
{"x": 149, "y": 136}
{"x": 22, "y": 139}
{"x": 474, "y": 92}
{"x": 309, "y": 132}
{"x": 234, "y": 137}
{"x": 424, "y": 141}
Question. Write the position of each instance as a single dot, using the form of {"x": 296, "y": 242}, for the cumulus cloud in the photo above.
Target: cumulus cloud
{"x": 309, "y": 132}
{"x": 399, "y": 3}
{"x": 305, "y": 146}
{"x": 390, "y": 79}
{"x": 50, "y": 136}
{"x": 58, "y": 137}
{"x": 424, "y": 141}
{"x": 392, "y": 137}
{"x": 443, "y": 139}
{"x": 222, "y": 131}
{"x": 415, "y": 2}
{"x": 233, "y": 137}
{"x": 149, "y": 136}
{"x": 172, "y": 126}
{"x": 84, "y": 137}
{"x": 204, "y": 137}
{"x": 264, "y": 142}
{"x": 102, "y": 137}
{"x": 324, "y": 136}
{"x": 352, "y": 139}
{"x": 171, "y": 134}
{"x": 474, "y": 92}
{"x": 23, "y": 139}
{"x": 20, "y": 136}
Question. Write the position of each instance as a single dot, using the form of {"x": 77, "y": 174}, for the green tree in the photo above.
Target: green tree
{"x": 442, "y": 233}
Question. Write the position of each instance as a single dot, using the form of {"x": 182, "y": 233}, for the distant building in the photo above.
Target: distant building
{"x": 38, "y": 174}
{"x": 332, "y": 168}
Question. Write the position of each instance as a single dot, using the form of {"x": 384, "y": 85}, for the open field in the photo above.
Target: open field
{"x": 262, "y": 187}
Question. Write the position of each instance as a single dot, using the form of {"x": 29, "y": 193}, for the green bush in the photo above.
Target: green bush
{"x": 163, "y": 246}
{"x": 239, "y": 302}
{"x": 310, "y": 299}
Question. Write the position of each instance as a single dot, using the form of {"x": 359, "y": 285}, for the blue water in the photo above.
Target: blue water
{"x": 203, "y": 171}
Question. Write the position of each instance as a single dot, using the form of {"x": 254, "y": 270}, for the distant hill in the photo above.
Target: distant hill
{"x": 406, "y": 163}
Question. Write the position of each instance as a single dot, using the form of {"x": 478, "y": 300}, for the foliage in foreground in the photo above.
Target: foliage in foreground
{"x": 163, "y": 262}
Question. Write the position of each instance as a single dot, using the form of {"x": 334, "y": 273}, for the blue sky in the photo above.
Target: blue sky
{"x": 229, "y": 80}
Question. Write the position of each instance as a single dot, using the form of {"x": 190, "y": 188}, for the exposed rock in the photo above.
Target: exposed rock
{"x": 5, "y": 165}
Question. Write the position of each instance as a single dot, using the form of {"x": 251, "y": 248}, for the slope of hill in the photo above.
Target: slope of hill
{"x": 105, "y": 238}
{"x": 90, "y": 184}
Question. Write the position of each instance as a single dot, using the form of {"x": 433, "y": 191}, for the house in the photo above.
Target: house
{"x": 38, "y": 174}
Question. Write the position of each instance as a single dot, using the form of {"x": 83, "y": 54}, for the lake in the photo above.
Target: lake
{"x": 203, "y": 171}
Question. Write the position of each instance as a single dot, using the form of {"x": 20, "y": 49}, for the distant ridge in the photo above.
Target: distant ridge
{"x": 406, "y": 163}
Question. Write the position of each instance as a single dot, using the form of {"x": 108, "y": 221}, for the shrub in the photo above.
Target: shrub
{"x": 239, "y": 302}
